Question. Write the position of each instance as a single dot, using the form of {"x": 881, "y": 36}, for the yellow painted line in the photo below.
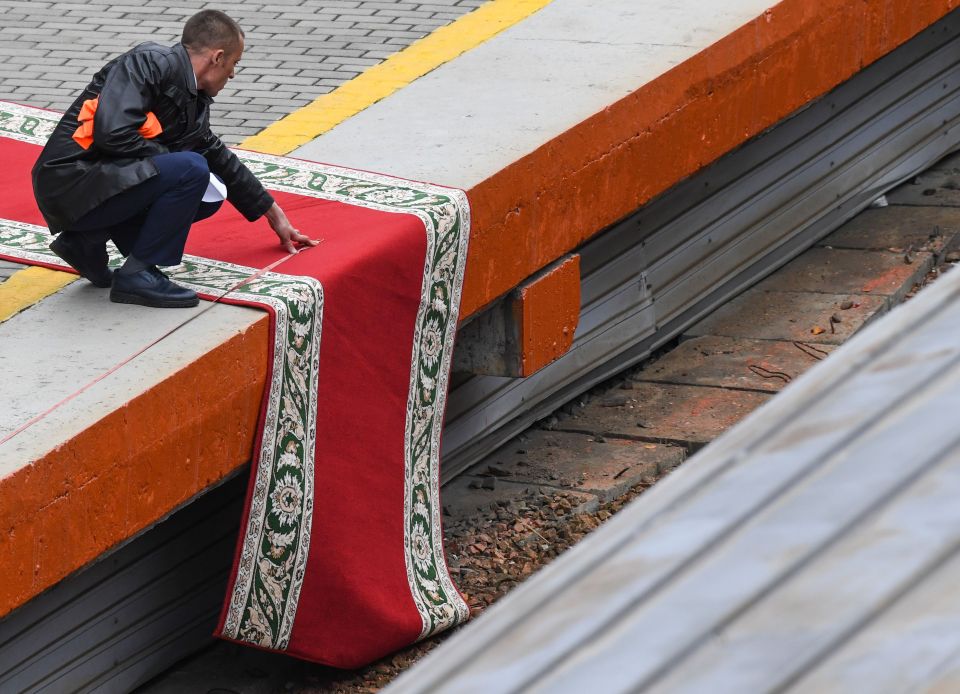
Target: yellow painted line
{"x": 26, "y": 287}
{"x": 394, "y": 73}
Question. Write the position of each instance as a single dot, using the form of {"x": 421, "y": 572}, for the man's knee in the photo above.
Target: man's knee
{"x": 184, "y": 169}
{"x": 195, "y": 167}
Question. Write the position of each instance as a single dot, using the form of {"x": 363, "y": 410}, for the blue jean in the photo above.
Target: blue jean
{"x": 151, "y": 220}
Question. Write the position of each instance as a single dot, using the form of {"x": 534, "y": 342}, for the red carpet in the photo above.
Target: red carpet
{"x": 340, "y": 559}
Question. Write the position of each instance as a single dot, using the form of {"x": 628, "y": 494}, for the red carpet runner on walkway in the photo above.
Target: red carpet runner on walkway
{"x": 340, "y": 557}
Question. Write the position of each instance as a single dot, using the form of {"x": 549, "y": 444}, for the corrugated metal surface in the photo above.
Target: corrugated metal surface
{"x": 664, "y": 268}
{"x": 815, "y": 547}
{"x": 132, "y": 615}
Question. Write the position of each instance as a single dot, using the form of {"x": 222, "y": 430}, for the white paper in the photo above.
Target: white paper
{"x": 216, "y": 190}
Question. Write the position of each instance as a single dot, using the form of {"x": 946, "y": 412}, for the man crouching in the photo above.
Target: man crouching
{"x": 131, "y": 160}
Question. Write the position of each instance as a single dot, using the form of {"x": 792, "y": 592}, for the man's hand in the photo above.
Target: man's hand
{"x": 288, "y": 235}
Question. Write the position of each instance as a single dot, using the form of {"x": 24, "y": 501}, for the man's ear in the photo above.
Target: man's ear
{"x": 218, "y": 56}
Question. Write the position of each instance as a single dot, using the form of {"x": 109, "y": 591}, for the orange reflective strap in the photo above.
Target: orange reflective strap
{"x": 83, "y": 135}
{"x": 151, "y": 126}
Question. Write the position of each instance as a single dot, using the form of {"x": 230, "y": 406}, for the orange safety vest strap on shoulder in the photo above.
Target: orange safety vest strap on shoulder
{"x": 83, "y": 135}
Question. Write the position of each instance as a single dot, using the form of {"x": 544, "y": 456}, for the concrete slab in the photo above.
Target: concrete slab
{"x": 462, "y": 497}
{"x": 898, "y": 227}
{"x": 577, "y": 462}
{"x": 933, "y": 188}
{"x": 729, "y": 362}
{"x": 792, "y": 316}
{"x": 470, "y": 118}
{"x": 70, "y": 339}
{"x": 950, "y": 163}
{"x": 141, "y": 440}
{"x": 687, "y": 415}
{"x": 845, "y": 271}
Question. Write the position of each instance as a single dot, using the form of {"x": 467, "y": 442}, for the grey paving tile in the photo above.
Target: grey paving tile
{"x": 392, "y": 6}
{"x": 409, "y": 15}
{"x": 334, "y": 52}
{"x": 28, "y": 82}
{"x": 252, "y": 100}
{"x": 430, "y": 24}
{"x": 326, "y": 74}
{"x": 389, "y": 33}
{"x": 21, "y": 49}
{"x": 270, "y": 103}
{"x": 379, "y": 55}
{"x": 434, "y": 7}
{"x": 358, "y": 62}
{"x": 364, "y": 16}
{"x": 374, "y": 27}
{"x": 32, "y": 60}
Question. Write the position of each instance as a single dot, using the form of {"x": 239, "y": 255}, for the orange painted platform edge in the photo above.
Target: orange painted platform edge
{"x": 546, "y": 311}
{"x": 549, "y": 202}
{"x": 131, "y": 468}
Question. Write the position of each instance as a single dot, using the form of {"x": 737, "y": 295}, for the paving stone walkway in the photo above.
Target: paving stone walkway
{"x": 7, "y": 268}
{"x": 296, "y": 50}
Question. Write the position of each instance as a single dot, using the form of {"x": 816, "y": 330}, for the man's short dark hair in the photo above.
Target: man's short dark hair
{"x": 211, "y": 29}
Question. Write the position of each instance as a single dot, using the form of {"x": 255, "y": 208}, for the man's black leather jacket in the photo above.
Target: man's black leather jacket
{"x": 69, "y": 181}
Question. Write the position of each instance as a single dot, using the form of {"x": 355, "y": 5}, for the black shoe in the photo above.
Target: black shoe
{"x": 151, "y": 287}
{"x": 90, "y": 260}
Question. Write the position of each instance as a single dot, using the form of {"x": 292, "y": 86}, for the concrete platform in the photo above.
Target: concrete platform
{"x": 791, "y": 315}
{"x": 650, "y": 94}
{"x": 683, "y": 415}
{"x": 752, "y": 347}
{"x": 897, "y": 229}
{"x": 934, "y": 188}
{"x": 555, "y": 459}
{"x": 136, "y": 444}
{"x": 852, "y": 271}
{"x": 731, "y": 362}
